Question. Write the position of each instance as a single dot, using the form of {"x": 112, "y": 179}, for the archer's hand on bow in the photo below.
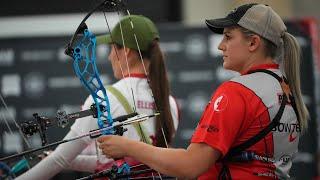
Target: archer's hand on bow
{"x": 114, "y": 146}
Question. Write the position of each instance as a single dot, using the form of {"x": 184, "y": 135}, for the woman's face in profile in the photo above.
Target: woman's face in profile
{"x": 116, "y": 56}
{"x": 234, "y": 47}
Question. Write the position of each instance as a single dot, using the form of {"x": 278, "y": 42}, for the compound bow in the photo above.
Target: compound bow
{"x": 82, "y": 49}
{"x": 84, "y": 52}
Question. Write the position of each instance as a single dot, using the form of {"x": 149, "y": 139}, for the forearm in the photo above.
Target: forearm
{"x": 58, "y": 160}
{"x": 173, "y": 162}
{"x": 84, "y": 163}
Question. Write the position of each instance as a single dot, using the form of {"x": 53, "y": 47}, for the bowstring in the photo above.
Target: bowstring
{"x": 145, "y": 71}
{"x": 121, "y": 69}
{"x": 148, "y": 80}
{"x": 127, "y": 63}
{"x": 17, "y": 126}
{"x": 144, "y": 139}
{"x": 129, "y": 72}
{"x": 118, "y": 61}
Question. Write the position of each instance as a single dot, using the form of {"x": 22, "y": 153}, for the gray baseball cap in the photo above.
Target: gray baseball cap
{"x": 258, "y": 18}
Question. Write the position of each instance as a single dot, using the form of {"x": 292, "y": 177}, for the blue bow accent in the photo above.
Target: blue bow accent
{"x": 83, "y": 50}
{"x": 84, "y": 54}
{"x": 84, "y": 65}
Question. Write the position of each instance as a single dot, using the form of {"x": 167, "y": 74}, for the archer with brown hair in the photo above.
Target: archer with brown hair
{"x": 138, "y": 63}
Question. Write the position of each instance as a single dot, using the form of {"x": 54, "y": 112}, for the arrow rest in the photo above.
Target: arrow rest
{"x": 39, "y": 125}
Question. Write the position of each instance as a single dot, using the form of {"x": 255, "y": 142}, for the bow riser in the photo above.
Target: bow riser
{"x": 84, "y": 52}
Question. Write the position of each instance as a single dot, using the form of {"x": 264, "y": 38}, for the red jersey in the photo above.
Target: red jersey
{"x": 239, "y": 110}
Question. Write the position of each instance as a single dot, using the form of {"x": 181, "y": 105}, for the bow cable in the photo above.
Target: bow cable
{"x": 11, "y": 131}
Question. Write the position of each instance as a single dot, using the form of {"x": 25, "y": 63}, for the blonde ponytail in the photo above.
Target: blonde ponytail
{"x": 291, "y": 65}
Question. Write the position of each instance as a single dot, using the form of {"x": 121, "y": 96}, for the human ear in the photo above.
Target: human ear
{"x": 254, "y": 42}
{"x": 127, "y": 51}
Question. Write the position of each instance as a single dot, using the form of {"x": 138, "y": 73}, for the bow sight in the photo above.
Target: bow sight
{"x": 122, "y": 121}
{"x": 40, "y": 123}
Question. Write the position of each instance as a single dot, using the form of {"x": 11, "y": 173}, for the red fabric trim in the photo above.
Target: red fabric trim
{"x": 262, "y": 66}
{"x": 136, "y": 75}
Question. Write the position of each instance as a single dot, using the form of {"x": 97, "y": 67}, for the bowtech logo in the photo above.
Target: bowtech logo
{"x": 292, "y": 128}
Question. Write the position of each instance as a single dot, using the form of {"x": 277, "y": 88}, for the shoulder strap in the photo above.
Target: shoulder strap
{"x": 253, "y": 140}
{"x": 125, "y": 104}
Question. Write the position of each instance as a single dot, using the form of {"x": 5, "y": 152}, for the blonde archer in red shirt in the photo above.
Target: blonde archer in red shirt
{"x": 250, "y": 129}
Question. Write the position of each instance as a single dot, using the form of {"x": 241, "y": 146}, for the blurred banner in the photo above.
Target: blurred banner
{"x": 163, "y": 11}
{"x": 36, "y": 77}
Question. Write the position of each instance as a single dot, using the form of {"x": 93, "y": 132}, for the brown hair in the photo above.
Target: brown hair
{"x": 159, "y": 83}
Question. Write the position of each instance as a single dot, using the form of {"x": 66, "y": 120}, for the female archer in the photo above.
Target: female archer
{"x": 238, "y": 135}
{"x": 134, "y": 62}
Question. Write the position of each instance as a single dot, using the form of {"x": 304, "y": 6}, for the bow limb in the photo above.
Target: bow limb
{"x": 107, "y": 3}
{"x": 84, "y": 54}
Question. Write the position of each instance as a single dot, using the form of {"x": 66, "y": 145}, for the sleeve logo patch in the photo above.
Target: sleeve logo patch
{"x": 220, "y": 103}
{"x": 209, "y": 128}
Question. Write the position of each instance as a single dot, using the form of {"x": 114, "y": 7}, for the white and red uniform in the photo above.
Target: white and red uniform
{"x": 240, "y": 109}
{"x": 67, "y": 155}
